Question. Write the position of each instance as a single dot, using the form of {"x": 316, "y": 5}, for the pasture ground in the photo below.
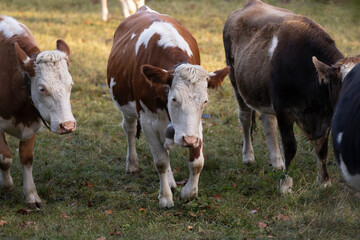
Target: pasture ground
{"x": 81, "y": 177}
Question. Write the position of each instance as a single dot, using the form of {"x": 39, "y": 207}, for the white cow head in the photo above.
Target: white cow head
{"x": 50, "y": 86}
{"x": 187, "y": 97}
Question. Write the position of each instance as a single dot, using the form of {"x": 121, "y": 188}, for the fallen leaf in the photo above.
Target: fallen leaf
{"x": 115, "y": 233}
{"x": 190, "y": 228}
{"x": 283, "y": 217}
{"x": 182, "y": 182}
{"x": 63, "y": 215}
{"x": 69, "y": 138}
{"x": 108, "y": 212}
{"x": 142, "y": 209}
{"x": 2, "y": 222}
{"x": 88, "y": 184}
{"x": 24, "y": 211}
{"x": 234, "y": 185}
{"x": 253, "y": 211}
{"x": 176, "y": 170}
{"x": 262, "y": 225}
{"x": 192, "y": 214}
{"x": 101, "y": 238}
{"x": 270, "y": 236}
{"x": 217, "y": 197}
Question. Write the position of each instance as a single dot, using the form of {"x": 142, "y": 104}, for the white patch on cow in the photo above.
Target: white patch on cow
{"x": 169, "y": 37}
{"x": 346, "y": 68}
{"x": 211, "y": 74}
{"x": 10, "y": 27}
{"x": 339, "y": 138}
{"x": 129, "y": 109}
{"x": 52, "y": 74}
{"x": 150, "y": 10}
{"x": 352, "y": 180}
{"x": 133, "y": 35}
{"x": 19, "y": 131}
{"x": 274, "y": 43}
{"x": 27, "y": 60}
{"x": 189, "y": 90}
{"x": 29, "y": 188}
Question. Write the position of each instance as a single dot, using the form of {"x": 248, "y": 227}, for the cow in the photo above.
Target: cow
{"x": 344, "y": 127}
{"x": 270, "y": 52}
{"x": 128, "y": 6}
{"x": 35, "y": 89}
{"x": 154, "y": 77}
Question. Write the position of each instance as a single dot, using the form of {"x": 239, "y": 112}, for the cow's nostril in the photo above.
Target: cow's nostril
{"x": 67, "y": 127}
{"x": 190, "y": 141}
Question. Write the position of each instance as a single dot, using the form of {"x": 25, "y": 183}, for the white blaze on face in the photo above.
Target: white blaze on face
{"x": 274, "y": 43}
{"x": 51, "y": 88}
{"x": 186, "y": 100}
{"x": 10, "y": 27}
{"x": 169, "y": 37}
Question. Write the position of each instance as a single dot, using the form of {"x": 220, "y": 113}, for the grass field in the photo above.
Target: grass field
{"x": 81, "y": 177}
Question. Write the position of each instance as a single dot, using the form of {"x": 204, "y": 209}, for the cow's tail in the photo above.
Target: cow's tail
{"x": 138, "y": 129}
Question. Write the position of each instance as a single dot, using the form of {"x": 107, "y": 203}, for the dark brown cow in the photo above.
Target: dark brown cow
{"x": 33, "y": 85}
{"x": 154, "y": 75}
{"x": 270, "y": 53}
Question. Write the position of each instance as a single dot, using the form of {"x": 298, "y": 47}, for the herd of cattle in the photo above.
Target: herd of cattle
{"x": 282, "y": 65}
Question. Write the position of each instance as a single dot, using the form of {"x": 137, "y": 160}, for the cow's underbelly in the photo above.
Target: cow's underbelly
{"x": 20, "y": 131}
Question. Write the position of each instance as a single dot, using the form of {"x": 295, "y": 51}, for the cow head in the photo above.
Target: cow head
{"x": 50, "y": 85}
{"x": 187, "y": 97}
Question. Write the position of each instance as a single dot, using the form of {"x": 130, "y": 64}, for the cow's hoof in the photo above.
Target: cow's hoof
{"x": 165, "y": 202}
{"x": 248, "y": 158}
{"x": 324, "y": 183}
{"x": 286, "y": 185}
{"x": 277, "y": 163}
{"x": 35, "y": 205}
{"x": 187, "y": 193}
{"x": 134, "y": 170}
{"x": 33, "y": 199}
{"x": 6, "y": 182}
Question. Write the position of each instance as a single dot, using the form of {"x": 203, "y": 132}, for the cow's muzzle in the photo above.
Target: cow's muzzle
{"x": 189, "y": 141}
{"x": 67, "y": 127}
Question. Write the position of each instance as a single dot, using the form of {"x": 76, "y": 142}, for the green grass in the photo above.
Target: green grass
{"x": 228, "y": 191}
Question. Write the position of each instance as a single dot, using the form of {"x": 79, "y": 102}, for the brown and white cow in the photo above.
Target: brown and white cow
{"x": 35, "y": 86}
{"x": 128, "y": 7}
{"x": 154, "y": 76}
{"x": 270, "y": 52}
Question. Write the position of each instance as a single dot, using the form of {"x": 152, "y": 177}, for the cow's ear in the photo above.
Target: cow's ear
{"x": 155, "y": 75}
{"x": 217, "y": 77}
{"x": 62, "y": 46}
{"x": 21, "y": 55}
{"x": 322, "y": 70}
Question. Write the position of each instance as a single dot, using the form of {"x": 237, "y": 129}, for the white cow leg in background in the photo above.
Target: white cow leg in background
{"x": 104, "y": 10}
{"x": 270, "y": 129}
{"x": 128, "y": 7}
{"x": 5, "y": 163}
{"x": 26, "y": 151}
{"x": 139, "y": 3}
{"x": 196, "y": 163}
{"x": 132, "y": 161}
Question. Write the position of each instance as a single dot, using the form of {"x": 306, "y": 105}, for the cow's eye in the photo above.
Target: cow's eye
{"x": 205, "y": 101}
{"x": 173, "y": 100}
{"x": 42, "y": 90}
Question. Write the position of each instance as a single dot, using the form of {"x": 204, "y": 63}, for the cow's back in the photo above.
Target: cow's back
{"x": 14, "y": 96}
{"x": 136, "y": 42}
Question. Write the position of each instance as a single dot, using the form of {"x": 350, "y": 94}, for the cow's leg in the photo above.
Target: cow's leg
{"x": 5, "y": 163}
{"x": 132, "y": 161}
{"x": 162, "y": 164}
{"x": 270, "y": 129}
{"x": 196, "y": 163}
{"x": 128, "y": 7}
{"x": 104, "y": 10}
{"x": 286, "y": 124}
{"x": 26, "y": 151}
{"x": 139, "y": 3}
{"x": 321, "y": 149}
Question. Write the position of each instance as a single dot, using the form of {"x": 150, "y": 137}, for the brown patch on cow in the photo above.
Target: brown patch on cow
{"x": 5, "y": 152}
{"x": 125, "y": 66}
{"x": 194, "y": 153}
{"x": 26, "y": 150}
